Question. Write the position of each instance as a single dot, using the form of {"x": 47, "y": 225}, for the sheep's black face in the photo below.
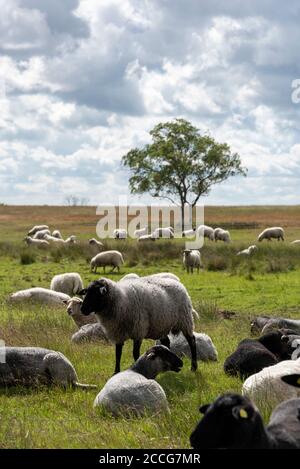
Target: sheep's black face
{"x": 230, "y": 422}
{"x": 170, "y": 361}
{"x": 95, "y": 297}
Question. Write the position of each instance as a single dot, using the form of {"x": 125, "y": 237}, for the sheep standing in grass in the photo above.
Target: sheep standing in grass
{"x": 107, "y": 258}
{"x": 206, "y": 351}
{"x": 275, "y": 232}
{"x": 222, "y": 235}
{"x": 120, "y": 233}
{"x": 189, "y": 233}
{"x": 163, "y": 233}
{"x": 39, "y": 295}
{"x": 191, "y": 260}
{"x": 37, "y": 228}
{"x": 140, "y": 232}
{"x": 41, "y": 234}
{"x": 252, "y": 355}
{"x": 74, "y": 311}
{"x": 96, "y": 245}
{"x": 34, "y": 366}
{"x": 57, "y": 234}
{"x": 267, "y": 389}
{"x": 69, "y": 283}
{"x": 233, "y": 422}
{"x": 40, "y": 243}
{"x": 135, "y": 390}
{"x": 146, "y": 308}
{"x": 206, "y": 231}
{"x": 248, "y": 251}
{"x": 90, "y": 333}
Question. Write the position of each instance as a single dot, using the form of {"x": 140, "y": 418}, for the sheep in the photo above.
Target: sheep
{"x": 54, "y": 240}
{"x": 149, "y": 307}
{"x": 37, "y": 228}
{"x": 96, "y": 245}
{"x": 189, "y": 233}
{"x": 163, "y": 275}
{"x": 266, "y": 324}
{"x": 70, "y": 240}
{"x": 69, "y": 283}
{"x": 103, "y": 259}
{"x": 57, "y": 234}
{"x": 120, "y": 233}
{"x": 252, "y": 355}
{"x": 40, "y": 234}
{"x": 191, "y": 260}
{"x": 39, "y": 295}
{"x": 248, "y": 251}
{"x": 144, "y": 238}
{"x": 89, "y": 333}
{"x": 206, "y": 232}
{"x": 222, "y": 235}
{"x": 129, "y": 277}
{"x": 140, "y": 232}
{"x": 275, "y": 232}
{"x": 73, "y": 310}
{"x": 206, "y": 351}
{"x": 232, "y": 421}
{"x": 40, "y": 243}
{"x": 297, "y": 241}
{"x": 163, "y": 233}
{"x": 34, "y": 366}
{"x": 267, "y": 389}
{"x": 135, "y": 391}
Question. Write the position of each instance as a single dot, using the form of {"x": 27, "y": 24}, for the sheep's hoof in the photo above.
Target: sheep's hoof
{"x": 194, "y": 366}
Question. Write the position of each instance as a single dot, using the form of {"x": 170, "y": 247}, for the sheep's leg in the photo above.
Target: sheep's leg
{"x": 165, "y": 341}
{"x": 136, "y": 349}
{"x": 192, "y": 343}
{"x": 119, "y": 348}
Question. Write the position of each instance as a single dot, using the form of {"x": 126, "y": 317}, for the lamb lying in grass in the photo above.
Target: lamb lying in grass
{"x": 135, "y": 390}
{"x": 39, "y": 295}
{"x": 34, "y": 366}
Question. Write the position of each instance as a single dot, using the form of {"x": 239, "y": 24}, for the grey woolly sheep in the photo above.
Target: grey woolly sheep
{"x": 69, "y": 283}
{"x": 39, "y": 295}
{"x": 191, "y": 260}
{"x": 107, "y": 258}
{"x": 275, "y": 232}
{"x": 222, "y": 235}
{"x": 206, "y": 350}
{"x": 264, "y": 324}
{"x": 95, "y": 245}
{"x": 206, "y": 232}
{"x": 33, "y": 366}
{"x": 147, "y": 307}
{"x": 90, "y": 333}
{"x": 135, "y": 391}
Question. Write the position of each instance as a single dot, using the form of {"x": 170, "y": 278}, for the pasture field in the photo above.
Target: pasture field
{"x": 269, "y": 282}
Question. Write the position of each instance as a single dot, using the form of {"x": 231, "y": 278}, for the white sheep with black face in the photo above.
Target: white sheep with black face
{"x": 276, "y": 232}
{"x": 135, "y": 391}
{"x": 120, "y": 233}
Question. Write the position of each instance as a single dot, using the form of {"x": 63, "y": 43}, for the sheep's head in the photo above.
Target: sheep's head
{"x": 164, "y": 359}
{"x": 73, "y": 306}
{"x": 231, "y": 421}
{"x": 96, "y": 297}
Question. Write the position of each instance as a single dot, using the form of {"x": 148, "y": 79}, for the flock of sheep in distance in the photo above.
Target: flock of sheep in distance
{"x": 159, "y": 307}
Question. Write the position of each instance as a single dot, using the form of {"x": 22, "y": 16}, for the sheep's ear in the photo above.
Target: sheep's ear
{"x": 65, "y": 302}
{"x": 239, "y": 412}
{"x": 82, "y": 292}
{"x": 293, "y": 380}
{"x": 203, "y": 408}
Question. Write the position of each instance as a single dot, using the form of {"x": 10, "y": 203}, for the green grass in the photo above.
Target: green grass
{"x": 56, "y": 418}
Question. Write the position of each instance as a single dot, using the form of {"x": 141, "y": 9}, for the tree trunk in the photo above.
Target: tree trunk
{"x": 182, "y": 215}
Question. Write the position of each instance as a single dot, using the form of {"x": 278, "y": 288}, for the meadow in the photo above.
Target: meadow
{"x": 267, "y": 283}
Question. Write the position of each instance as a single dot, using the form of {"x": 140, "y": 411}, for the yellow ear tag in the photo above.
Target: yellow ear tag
{"x": 298, "y": 381}
{"x": 243, "y": 414}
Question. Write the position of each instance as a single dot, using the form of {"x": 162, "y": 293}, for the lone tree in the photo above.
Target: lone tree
{"x": 180, "y": 164}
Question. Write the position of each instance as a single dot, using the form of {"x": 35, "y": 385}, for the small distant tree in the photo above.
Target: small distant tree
{"x": 180, "y": 164}
{"x": 74, "y": 200}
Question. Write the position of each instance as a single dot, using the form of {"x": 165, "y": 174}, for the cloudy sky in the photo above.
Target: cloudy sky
{"x": 83, "y": 81}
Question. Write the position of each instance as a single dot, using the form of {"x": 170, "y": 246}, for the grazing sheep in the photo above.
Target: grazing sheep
{"x": 206, "y": 351}
{"x": 222, "y": 235}
{"x": 163, "y": 233}
{"x": 57, "y": 234}
{"x": 140, "y": 232}
{"x": 40, "y": 243}
{"x": 264, "y": 324}
{"x": 89, "y": 333}
{"x": 252, "y": 355}
{"x": 39, "y": 295}
{"x": 69, "y": 283}
{"x": 144, "y": 238}
{"x": 135, "y": 391}
{"x": 233, "y": 422}
{"x": 146, "y": 308}
{"x": 70, "y": 240}
{"x": 189, "y": 233}
{"x": 107, "y": 258}
{"x": 54, "y": 240}
{"x": 206, "y": 232}
{"x": 34, "y": 366}
{"x": 96, "y": 245}
{"x": 73, "y": 310}
{"x": 275, "y": 232}
{"x": 191, "y": 260}
{"x": 248, "y": 251}
{"x": 267, "y": 389}
{"x": 297, "y": 241}
{"x": 41, "y": 234}
{"x": 37, "y": 228}
{"x": 120, "y": 233}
